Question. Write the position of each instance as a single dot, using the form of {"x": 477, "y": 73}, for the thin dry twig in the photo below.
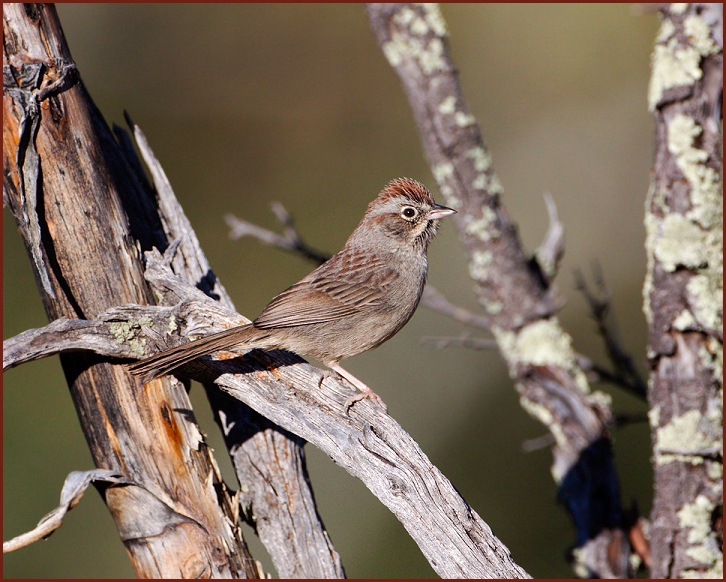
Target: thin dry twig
{"x": 625, "y": 373}
{"x": 463, "y": 341}
{"x": 550, "y": 252}
{"x": 290, "y": 240}
{"x": 74, "y": 487}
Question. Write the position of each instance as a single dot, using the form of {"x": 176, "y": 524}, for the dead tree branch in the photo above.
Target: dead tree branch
{"x": 267, "y": 459}
{"x": 512, "y": 287}
{"x": 74, "y": 487}
{"x": 625, "y": 373}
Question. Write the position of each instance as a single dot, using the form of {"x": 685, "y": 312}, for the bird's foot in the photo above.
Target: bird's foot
{"x": 365, "y": 392}
{"x": 362, "y": 395}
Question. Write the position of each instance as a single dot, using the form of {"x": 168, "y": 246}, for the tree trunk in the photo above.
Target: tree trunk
{"x": 684, "y": 293}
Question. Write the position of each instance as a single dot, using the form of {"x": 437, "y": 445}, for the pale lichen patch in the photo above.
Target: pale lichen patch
{"x": 495, "y": 186}
{"x": 442, "y": 173}
{"x": 126, "y": 332}
{"x": 432, "y": 14}
{"x": 672, "y": 66}
{"x": 479, "y": 265}
{"x": 654, "y": 416}
{"x": 464, "y": 119}
{"x": 447, "y": 105}
{"x": 393, "y": 53}
{"x": 686, "y": 438}
{"x": 680, "y": 242}
{"x": 430, "y": 56}
{"x": 667, "y": 29}
{"x": 699, "y": 34}
{"x": 480, "y": 182}
{"x": 696, "y": 517}
{"x": 715, "y": 471}
{"x": 704, "y": 246}
{"x": 427, "y": 52}
{"x": 707, "y": 207}
{"x": 712, "y": 357}
{"x": 482, "y": 159}
{"x": 540, "y": 343}
{"x": 684, "y": 321}
{"x": 483, "y": 228}
{"x": 603, "y": 399}
{"x": 706, "y": 296}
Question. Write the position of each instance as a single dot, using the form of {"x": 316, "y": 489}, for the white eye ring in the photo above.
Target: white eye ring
{"x": 409, "y": 212}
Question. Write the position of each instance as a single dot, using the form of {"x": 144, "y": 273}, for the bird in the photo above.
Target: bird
{"x": 359, "y": 298}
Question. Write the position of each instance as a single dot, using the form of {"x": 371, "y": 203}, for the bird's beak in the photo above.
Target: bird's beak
{"x": 439, "y": 211}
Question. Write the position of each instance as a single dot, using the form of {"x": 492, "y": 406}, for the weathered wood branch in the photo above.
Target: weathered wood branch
{"x": 683, "y": 292}
{"x": 65, "y": 181}
{"x": 366, "y": 442}
{"x": 513, "y": 288}
{"x": 74, "y": 487}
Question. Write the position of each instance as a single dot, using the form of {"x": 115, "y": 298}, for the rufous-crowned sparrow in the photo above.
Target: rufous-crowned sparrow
{"x": 353, "y": 302}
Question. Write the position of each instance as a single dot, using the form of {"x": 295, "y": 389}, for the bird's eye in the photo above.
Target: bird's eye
{"x": 408, "y": 212}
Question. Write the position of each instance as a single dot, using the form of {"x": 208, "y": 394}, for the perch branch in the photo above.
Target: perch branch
{"x": 368, "y": 443}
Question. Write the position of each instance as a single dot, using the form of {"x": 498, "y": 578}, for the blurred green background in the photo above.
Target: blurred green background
{"x": 245, "y": 104}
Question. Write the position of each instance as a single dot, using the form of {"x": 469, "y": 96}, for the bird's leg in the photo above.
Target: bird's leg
{"x": 365, "y": 391}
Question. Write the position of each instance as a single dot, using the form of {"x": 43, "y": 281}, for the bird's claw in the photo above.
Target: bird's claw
{"x": 362, "y": 396}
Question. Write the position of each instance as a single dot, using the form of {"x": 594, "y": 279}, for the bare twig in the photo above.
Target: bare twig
{"x": 434, "y": 299}
{"x": 550, "y": 252}
{"x": 290, "y": 240}
{"x": 464, "y": 341}
{"x": 625, "y": 374}
{"x": 74, "y": 487}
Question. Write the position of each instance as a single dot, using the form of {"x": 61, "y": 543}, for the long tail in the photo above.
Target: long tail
{"x": 163, "y": 362}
